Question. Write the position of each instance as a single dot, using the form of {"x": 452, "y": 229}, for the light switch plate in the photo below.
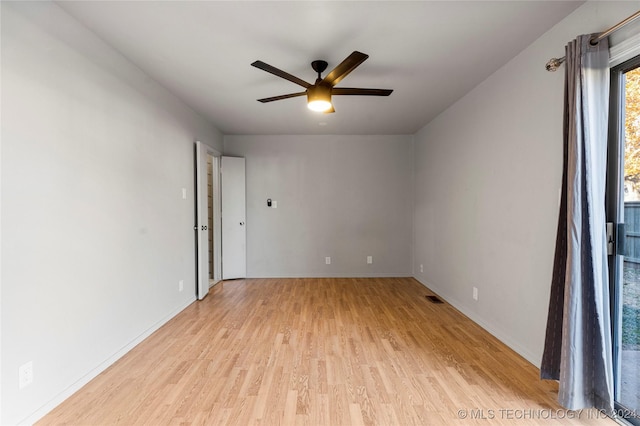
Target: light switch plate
{"x": 25, "y": 375}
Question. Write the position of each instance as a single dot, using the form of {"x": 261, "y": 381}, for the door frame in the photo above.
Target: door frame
{"x": 614, "y": 205}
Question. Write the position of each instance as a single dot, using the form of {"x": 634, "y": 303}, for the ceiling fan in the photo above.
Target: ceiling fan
{"x": 319, "y": 94}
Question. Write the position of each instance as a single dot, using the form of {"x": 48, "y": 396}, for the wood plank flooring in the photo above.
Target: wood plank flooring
{"x": 328, "y": 351}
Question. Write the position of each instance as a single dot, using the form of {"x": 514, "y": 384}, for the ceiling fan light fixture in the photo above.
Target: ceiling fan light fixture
{"x": 319, "y": 98}
{"x": 319, "y": 105}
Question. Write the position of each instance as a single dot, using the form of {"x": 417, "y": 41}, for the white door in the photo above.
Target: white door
{"x": 202, "y": 220}
{"x": 234, "y": 236}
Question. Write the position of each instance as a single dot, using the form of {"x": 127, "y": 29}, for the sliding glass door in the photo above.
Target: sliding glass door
{"x": 624, "y": 229}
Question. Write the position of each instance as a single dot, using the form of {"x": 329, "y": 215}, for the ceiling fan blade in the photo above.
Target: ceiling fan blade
{"x": 345, "y": 67}
{"x": 279, "y": 98}
{"x": 361, "y": 92}
{"x": 275, "y": 71}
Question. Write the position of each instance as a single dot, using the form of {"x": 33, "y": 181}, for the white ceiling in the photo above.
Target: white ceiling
{"x": 430, "y": 52}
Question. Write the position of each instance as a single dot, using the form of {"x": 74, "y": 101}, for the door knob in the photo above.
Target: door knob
{"x": 241, "y": 223}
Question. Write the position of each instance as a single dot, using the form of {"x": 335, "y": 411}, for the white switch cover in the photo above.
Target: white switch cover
{"x": 25, "y": 374}
{"x": 274, "y": 204}
{"x": 327, "y": 260}
{"x": 369, "y": 260}
{"x": 184, "y": 193}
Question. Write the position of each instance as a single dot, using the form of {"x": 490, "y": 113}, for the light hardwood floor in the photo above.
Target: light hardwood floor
{"x": 319, "y": 352}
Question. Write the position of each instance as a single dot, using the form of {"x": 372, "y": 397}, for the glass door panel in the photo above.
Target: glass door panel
{"x": 626, "y": 282}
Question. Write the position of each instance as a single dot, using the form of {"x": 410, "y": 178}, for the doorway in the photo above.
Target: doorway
{"x": 208, "y": 218}
{"x": 213, "y": 167}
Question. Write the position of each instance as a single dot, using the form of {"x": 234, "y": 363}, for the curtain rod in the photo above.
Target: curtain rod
{"x": 554, "y": 63}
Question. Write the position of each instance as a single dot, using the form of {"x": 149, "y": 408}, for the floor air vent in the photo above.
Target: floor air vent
{"x": 434, "y": 299}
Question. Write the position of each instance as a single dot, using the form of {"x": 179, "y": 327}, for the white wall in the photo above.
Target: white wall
{"x": 95, "y": 233}
{"x": 347, "y": 197}
{"x": 487, "y": 180}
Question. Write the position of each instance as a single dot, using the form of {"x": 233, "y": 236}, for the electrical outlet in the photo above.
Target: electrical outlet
{"x": 184, "y": 193}
{"x": 421, "y": 268}
{"x": 475, "y": 293}
{"x": 369, "y": 260}
{"x": 327, "y": 260}
{"x": 180, "y": 285}
{"x": 25, "y": 374}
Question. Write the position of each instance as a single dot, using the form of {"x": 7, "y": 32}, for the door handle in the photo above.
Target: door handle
{"x": 241, "y": 223}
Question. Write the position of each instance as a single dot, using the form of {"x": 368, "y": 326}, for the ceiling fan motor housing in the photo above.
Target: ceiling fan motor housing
{"x": 319, "y": 66}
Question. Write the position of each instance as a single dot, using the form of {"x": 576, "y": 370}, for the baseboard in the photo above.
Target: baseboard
{"x": 490, "y": 328}
{"x": 58, "y": 399}
{"x": 336, "y": 275}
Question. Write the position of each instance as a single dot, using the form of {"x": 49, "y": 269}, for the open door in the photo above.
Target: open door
{"x": 204, "y": 278}
{"x": 234, "y": 246}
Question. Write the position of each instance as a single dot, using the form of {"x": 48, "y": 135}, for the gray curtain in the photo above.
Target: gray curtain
{"x": 577, "y": 349}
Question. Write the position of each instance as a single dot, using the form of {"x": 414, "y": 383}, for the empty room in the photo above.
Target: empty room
{"x": 319, "y": 212}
